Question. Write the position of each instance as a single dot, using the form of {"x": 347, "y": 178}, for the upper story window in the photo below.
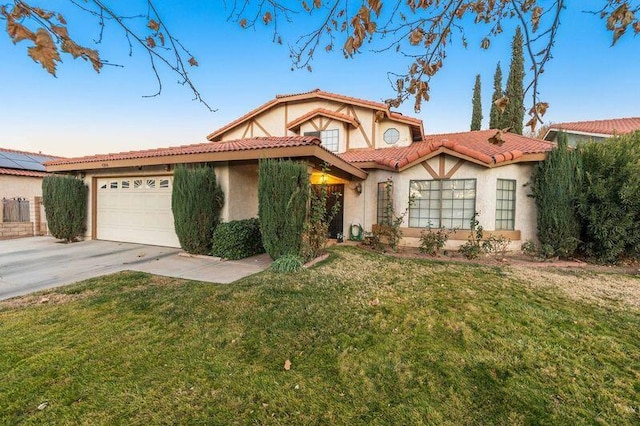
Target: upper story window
{"x": 330, "y": 139}
{"x": 391, "y": 136}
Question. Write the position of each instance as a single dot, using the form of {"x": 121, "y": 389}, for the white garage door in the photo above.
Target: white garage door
{"x": 136, "y": 210}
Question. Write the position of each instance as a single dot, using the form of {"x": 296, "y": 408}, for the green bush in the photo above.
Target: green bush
{"x": 65, "y": 203}
{"x": 609, "y": 202}
{"x": 474, "y": 247}
{"x": 283, "y": 191}
{"x": 287, "y": 264}
{"x": 556, "y": 183}
{"x": 431, "y": 242}
{"x": 196, "y": 203}
{"x": 237, "y": 239}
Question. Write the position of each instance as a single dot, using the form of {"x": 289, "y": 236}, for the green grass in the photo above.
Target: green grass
{"x": 446, "y": 344}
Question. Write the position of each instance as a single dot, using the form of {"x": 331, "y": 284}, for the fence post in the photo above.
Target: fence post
{"x": 34, "y": 215}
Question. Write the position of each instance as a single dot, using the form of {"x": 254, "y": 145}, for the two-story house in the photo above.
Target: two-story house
{"x": 450, "y": 177}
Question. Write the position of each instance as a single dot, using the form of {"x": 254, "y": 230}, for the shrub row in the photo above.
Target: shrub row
{"x": 588, "y": 199}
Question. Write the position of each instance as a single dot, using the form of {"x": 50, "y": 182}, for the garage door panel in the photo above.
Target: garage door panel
{"x": 136, "y": 210}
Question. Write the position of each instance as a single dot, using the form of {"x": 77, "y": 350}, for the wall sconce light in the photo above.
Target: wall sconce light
{"x": 357, "y": 188}
{"x": 82, "y": 175}
{"x": 167, "y": 167}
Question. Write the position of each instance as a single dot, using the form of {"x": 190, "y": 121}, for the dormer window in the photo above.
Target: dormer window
{"x": 329, "y": 139}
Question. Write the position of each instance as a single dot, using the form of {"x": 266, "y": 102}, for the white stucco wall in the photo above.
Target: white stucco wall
{"x": 20, "y": 186}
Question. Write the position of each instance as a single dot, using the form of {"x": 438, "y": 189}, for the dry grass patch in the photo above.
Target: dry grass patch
{"x": 603, "y": 289}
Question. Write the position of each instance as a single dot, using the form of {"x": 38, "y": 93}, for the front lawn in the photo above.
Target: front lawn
{"x": 371, "y": 340}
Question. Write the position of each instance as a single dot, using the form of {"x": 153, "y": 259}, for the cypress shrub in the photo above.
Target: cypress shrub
{"x": 65, "y": 203}
{"x": 283, "y": 190}
{"x": 196, "y": 202}
{"x": 237, "y": 239}
{"x": 555, "y": 188}
{"x": 609, "y": 203}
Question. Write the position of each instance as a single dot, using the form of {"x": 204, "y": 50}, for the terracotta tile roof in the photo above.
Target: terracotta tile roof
{"x": 615, "y": 126}
{"x": 351, "y": 100}
{"x": 326, "y": 113}
{"x": 39, "y": 154}
{"x": 317, "y": 93}
{"x": 27, "y": 173}
{"x": 471, "y": 144}
{"x": 201, "y": 148}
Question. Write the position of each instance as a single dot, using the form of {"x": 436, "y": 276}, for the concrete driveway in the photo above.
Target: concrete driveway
{"x": 37, "y": 263}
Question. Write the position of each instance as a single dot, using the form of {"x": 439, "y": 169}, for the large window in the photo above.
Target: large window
{"x": 383, "y": 198}
{"x": 442, "y": 203}
{"x": 506, "y": 204}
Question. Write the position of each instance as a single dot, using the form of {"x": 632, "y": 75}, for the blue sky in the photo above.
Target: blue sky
{"x": 81, "y": 112}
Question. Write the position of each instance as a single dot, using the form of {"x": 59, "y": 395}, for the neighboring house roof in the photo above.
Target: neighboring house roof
{"x": 23, "y": 163}
{"x": 416, "y": 123}
{"x": 603, "y": 128}
{"x": 27, "y": 173}
{"x": 473, "y": 146}
{"x": 244, "y": 149}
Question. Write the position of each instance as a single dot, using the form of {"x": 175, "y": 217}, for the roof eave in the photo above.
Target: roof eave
{"x": 249, "y": 154}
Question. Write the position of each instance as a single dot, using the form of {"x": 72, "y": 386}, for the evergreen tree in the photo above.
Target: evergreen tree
{"x": 476, "y": 115}
{"x": 514, "y": 113}
{"x": 556, "y": 186}
{"x": 196, "y": 201}
{"x": 496, "y": 118}
{"x": 65, "y": 204}
{"x": 283, "y": 192}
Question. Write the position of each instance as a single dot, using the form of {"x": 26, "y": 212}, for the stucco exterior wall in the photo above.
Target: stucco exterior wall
{"x": 369, "y": 134}
{"x": 20, "y": 186}
{"x": 242, "y": 196}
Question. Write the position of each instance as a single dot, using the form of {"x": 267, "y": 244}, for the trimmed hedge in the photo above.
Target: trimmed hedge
{"x": 237, "y": 239}
{"x": 196, "y": 202}
{"x": 65, "y": 203}
{"x": 283, "y": 191}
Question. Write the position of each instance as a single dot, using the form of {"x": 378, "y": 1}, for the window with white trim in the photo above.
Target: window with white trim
{"x": 506, "y": 204}
{"x": 330, "y": 139}
{"x": 447, "y": 203}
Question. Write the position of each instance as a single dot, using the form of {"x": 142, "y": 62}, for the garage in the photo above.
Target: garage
{"x": 136, "y": 210}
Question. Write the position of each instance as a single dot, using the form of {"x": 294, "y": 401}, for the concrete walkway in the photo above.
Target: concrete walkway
{"x": 37, "y": 263}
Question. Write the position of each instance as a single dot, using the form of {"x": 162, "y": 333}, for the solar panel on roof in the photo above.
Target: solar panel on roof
{"x": 30, "y": 165}
{"x": 40, "y": 158}
{"x": 9, "y": 164}
{"x": 14, "y": 155}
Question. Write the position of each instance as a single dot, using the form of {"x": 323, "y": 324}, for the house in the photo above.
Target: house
{"x": 21, "y": 174}
{"x": 596, "y": 131}
{"x": 451, "y": 176}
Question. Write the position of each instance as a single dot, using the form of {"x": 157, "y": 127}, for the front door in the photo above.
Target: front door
{"x": 335, "y": 194}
